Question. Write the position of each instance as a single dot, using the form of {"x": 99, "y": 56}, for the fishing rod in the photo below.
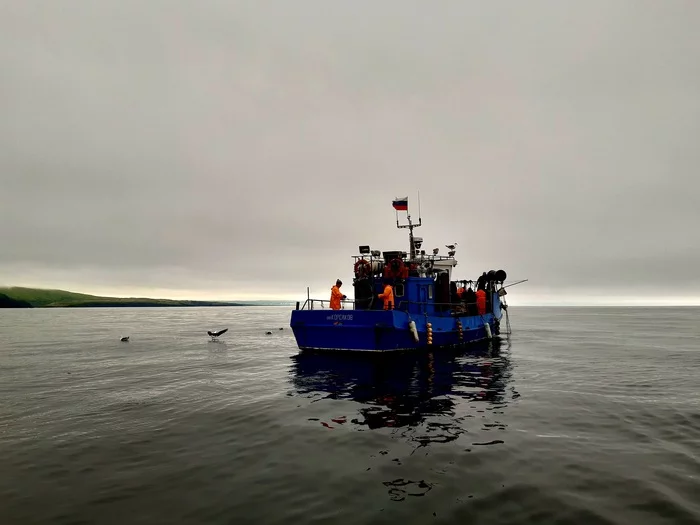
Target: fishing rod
{"x": 513, "y": 284}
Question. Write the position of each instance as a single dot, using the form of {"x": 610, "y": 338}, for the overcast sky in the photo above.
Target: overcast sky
{"x": 223, "y": 149}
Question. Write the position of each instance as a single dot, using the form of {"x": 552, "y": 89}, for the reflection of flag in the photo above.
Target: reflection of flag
{"x": 400, "y": 204}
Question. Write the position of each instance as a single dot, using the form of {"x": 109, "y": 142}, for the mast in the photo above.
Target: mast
{"x": 410, "y": 227}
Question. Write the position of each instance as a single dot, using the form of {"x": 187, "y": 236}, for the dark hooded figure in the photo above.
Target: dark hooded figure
{"x": 470, "y": 299}
{"x": 481, "y": 282}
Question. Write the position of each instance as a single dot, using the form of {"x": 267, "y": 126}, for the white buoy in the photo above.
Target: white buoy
{"x": 412, "y": 328}
{"x": 488, "y": 330}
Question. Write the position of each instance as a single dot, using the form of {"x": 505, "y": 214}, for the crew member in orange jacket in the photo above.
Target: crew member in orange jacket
{"x": 481, "y": 301}
{"x": 336, "y": 296}
{"x": 388, "y": 296}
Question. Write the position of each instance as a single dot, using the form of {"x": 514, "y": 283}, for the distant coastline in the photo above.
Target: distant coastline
{"x": 20, "y": 297}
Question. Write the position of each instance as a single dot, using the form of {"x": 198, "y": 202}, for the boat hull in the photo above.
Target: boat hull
{"x": 385, "y": 331}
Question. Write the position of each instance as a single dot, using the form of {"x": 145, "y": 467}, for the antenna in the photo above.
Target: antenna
{"x": 419, "y": 206}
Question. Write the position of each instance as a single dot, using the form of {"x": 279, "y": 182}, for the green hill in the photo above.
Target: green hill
{"x": 38, "y": 297}
{"x": 9, "y": 302}
{"x": 41, "y": 298}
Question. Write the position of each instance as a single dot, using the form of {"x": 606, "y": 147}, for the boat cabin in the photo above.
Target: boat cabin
{"x": 422, "y": 283}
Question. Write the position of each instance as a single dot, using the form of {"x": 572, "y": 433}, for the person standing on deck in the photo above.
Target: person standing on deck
{"x": 388, "y": 296}
{"x": 336, "y": 296}
{"x": 470, "y": 299}
{"x": 481, "y": 301}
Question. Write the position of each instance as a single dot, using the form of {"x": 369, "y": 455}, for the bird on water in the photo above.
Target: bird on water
{"x": 215, "y": 335}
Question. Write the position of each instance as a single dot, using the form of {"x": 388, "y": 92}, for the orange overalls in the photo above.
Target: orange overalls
{"x": 388, "y": 297}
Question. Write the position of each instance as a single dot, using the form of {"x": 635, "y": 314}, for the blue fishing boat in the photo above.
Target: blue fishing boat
{"x": 430, "y": 307}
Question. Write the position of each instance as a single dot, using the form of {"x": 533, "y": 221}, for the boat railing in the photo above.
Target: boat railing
{"x": 436, "y": 308}
{"x": 439, "y": 309}
{"x": 418, "y": 258}
{"x": 324, "y": 304}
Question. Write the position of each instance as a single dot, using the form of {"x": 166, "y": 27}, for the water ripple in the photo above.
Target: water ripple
{"x": 584, "y": 416}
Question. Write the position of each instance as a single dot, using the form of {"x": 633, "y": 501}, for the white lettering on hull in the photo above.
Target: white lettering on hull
{"x": 339, "y": 317}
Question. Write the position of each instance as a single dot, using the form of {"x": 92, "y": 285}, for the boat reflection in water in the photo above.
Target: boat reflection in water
{"x": 436, "y": 391}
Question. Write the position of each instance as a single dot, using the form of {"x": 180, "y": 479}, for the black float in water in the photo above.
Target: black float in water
{"x": 125, "y": 339}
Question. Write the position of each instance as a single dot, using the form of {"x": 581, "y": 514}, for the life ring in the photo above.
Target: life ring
{"x": 395, "y": 268}
{"x": 362, "y": 267}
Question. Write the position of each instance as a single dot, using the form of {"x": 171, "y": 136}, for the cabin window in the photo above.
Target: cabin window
{"x": 398, "y": 290}
{"x": 430, "y": 292}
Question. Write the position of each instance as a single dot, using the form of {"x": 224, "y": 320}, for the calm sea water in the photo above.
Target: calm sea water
{"x": 585, "y": 416}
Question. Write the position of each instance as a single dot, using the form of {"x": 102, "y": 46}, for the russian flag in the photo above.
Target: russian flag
{"x": 400, "y": 204}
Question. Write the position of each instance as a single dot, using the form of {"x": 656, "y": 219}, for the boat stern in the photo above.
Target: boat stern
{"x": 355, "y": 330}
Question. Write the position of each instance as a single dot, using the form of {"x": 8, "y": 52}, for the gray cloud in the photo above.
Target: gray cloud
{"x": 235, "y": 148}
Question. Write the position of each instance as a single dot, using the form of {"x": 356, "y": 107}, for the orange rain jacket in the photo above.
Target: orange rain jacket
{"x": 388, "y": 297}
{"x": 336, "y": 296}
{"x": 481, "y": 301}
